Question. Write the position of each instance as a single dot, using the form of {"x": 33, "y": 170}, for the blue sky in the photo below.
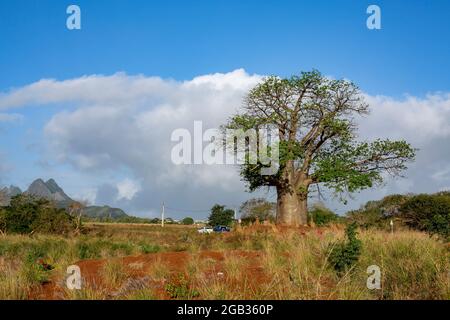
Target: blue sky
{"x": 181, "y": 40}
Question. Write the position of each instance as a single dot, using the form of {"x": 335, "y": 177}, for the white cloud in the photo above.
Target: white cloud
{"x": 412, "y": 118}
{"x": 88, "y": 195}
{"x": 120, "y": 125}
{"x": 127, "y": 189}
{"x": 10, "y": 117}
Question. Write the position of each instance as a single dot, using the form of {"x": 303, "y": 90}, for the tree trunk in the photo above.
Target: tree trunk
{"x": 292, "y": 209}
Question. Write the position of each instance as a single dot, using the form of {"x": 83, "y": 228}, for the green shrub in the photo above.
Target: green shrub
{"x": 2, "y": 220}
{"x": 88, "y": 250}
{"x": 187, "y": 221}
{"x": 321, "y": 215}
{"x": 345, "y": 254}
{"x": 377, "y": 214}
{"x": 52, "y": 220}
{"x": 180, "y": 288}
{"x": 430, "y": 213}
{"x": 27, "y": 214}
{"x": 367, "y": 218}
{"x": 150, "y": 248}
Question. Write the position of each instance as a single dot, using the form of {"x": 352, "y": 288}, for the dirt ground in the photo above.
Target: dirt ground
{"x": 138, "y": 271}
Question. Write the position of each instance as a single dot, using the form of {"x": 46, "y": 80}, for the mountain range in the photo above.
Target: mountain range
{"x": 52, "y": 191}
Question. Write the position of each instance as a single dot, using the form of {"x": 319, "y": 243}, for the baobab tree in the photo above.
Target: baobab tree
{"x": 318, "y": 145}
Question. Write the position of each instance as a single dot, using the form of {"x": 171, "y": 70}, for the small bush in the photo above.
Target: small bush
{"x": 87, "y": 250}
{"x": 187, "y": 221}
{"x": 179, "y": 288}
{"x": 345, "y": 254}
{"x": 321, "y": 215}
{"x": 150, "y": 248}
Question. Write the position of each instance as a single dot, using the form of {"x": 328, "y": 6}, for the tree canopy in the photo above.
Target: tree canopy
{"x": 316, "y": 119}
{"x": 220, "y": 216}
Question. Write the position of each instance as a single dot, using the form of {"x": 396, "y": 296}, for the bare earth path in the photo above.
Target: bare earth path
{"x": 140, "y": 272}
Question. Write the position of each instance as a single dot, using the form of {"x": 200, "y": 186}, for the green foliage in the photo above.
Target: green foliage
{"x": 53, "y": 220}
{"x": 430, "y": 213}
{"x": 102, "y": 213}
{"x": 424, "y": 212}
{"x": 345, "y": 254}
{"x": 378, "y": 213}
{"x": 220, "y": 216}
{"x": 2, "y": 219}
{"x": 87, "y": 251}
{"x": 155, "y": 221}
{"x": 315, "y": 117}
{"x": 257, "y": 209}
{"x": 180, "y": 288}
{"x": 187, "y": 221}
{"x": 150, "y": 248}
{"x": 32, "y": 270}
{"x": 26, "y": 214}
{"x": 367, "y": 218}
{"x": 352, "y": 166}
{"x": 321, "y": 215}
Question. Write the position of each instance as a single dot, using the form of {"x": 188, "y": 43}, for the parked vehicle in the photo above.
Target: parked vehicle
{"x": 221, "y": 229}
{"x": 205, "y": 230}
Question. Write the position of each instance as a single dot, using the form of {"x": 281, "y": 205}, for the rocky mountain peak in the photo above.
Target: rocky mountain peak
{"x": 49, "y": 190}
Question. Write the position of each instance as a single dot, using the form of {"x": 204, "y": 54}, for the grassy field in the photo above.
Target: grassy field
{"x": 120, "y": 261}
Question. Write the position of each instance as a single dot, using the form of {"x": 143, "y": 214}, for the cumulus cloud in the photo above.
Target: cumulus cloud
{"x": 121, "y": 125}
{"x": 127, "y": 189}
{"x": 87, "y": 195}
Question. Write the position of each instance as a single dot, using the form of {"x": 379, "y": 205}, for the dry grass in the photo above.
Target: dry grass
{"x": 290, "y": 263}
{"x": 114, "y": 274}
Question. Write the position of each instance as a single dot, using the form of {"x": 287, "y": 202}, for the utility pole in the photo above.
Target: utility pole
{"x": 162, "y": 215}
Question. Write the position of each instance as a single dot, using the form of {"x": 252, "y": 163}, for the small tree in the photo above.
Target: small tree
{"x": 345, "y": 254}
{"x": 76, "y": 211}
{"x": 187, "y": 221}
{"x": 258, "y": 209}
{"x": 220, "y": 216}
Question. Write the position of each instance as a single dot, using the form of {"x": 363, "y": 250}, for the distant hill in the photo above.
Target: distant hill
{"x": 101, "y": 212}
{"x": 7, "y": 193}
{"x": 52, "y": 191}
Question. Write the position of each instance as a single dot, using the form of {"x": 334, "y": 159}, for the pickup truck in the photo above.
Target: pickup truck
{"x": 221, "y": 229}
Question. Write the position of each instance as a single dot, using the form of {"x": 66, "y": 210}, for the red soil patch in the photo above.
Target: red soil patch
{"x": 139, "y": 270}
